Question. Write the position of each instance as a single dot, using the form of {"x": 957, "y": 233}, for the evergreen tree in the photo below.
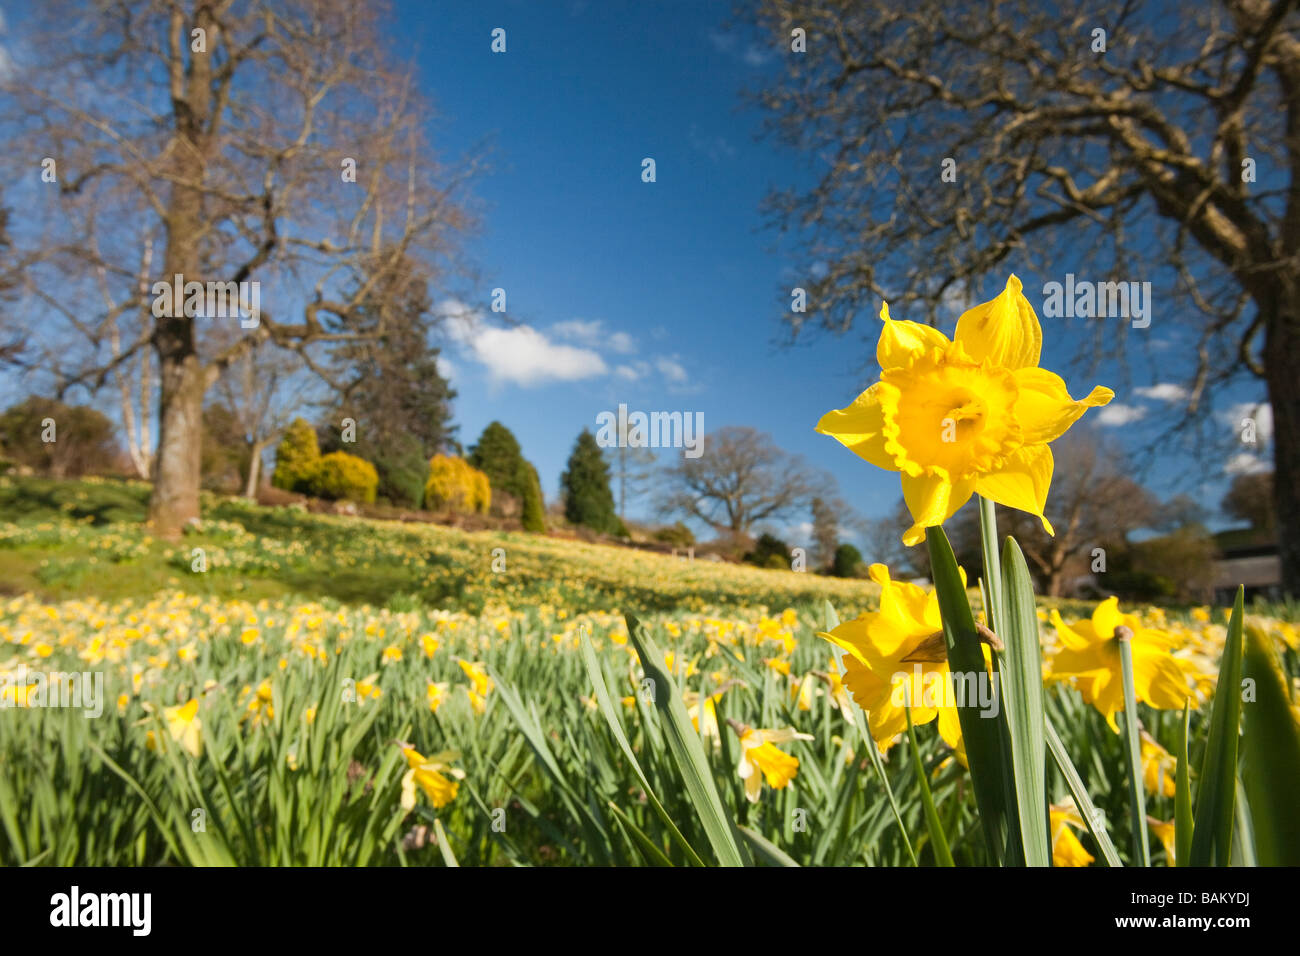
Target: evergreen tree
{"x": 394, "y": 391}
{"x": 534, "y": 509}
{"x": 498, "y": 455}
{"x": 588, "y": 500}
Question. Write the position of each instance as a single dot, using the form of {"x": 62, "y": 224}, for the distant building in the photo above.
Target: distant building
{"x": 1247, "y": 558}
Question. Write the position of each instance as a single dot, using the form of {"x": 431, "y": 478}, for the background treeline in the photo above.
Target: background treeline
{"x": 1113, "y": 536}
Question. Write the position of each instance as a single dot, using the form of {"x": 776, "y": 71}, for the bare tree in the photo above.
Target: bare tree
{"x": 1250, "y": 499}
{"x": 742, "y": 478}
{"x": 271, "y": 148}
{"x": 263, "y": 389}
{"x": 1095, "y": 504}
{"x": 632, "y": 467}
{"x": 1154, "y": 139}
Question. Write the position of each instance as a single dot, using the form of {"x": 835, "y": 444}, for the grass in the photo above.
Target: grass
{"x": 582, "y": 737}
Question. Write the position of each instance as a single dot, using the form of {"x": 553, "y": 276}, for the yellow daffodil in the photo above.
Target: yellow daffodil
{"x": 261, "y": 705}
{"x": 183, "y": 726}
{"x": 478, "y": 674}
{"x": 1066, "y": 848}
{"x": 896, "y": 658}
{"x": 366, "y": 689}
{"x": 707, "y": 726}
{"x": 391, "y": 655}
{"x": 969, "y": 416}
{"x": 760, "y": 759}
{"x": 427, "y": 773}
{"x": 435, "y": 693}
{"x": 1159, "y": 767}
{"x": 1165, "y": 833}
{"x": 1090, "y": 656}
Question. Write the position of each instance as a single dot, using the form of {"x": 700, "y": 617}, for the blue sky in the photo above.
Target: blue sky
{"x": 669, "y": 291}
{"x": 667, "y": 296}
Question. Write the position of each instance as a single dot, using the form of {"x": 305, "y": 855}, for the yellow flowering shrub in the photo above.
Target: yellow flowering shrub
{"x": 455, "y": 485}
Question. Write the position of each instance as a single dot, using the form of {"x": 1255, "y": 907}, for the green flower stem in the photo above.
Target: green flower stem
{"x": 1136, "y": 792}
{"x": 992, "y": 566}
{"x": 937, "y": 839}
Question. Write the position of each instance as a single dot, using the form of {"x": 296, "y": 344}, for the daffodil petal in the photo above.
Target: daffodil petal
{"x": 1045, "y": 409}
{"x": 1003, "y": 331}
{"x": 861, "y": 427}
{"x": 1106, "y": 617}
{"x": 1022, "y": 482}
{"x": 901, "y": 339}
{"x": 932, "y": 500}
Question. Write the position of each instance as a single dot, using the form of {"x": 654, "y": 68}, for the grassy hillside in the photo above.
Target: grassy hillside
{"x": 60, "y": 540}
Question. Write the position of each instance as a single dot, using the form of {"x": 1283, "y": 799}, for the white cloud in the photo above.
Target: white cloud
{"x": 622, "y": 343}
{"x": 445, "y": 368}
{"x": 1116, "y": 414}
{"x": 518, "y": 355}
{"x": 1165, "y": 392}
{"x": 1244, "y": 463}
{"x": 749, "y": 53}
{"x": 1261, "y": 412}
{"x": 633, "y": 372}
{"x": 592, "y": 333}
{"x": 671, "y": 370}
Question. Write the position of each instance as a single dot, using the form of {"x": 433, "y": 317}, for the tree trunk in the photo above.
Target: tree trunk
{"x": 1282, "y": 370}
{"x": 254, "y": 471}
{"x": 175, "y": 500}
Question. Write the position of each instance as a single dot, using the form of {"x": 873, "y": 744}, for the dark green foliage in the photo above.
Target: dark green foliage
{"x": 534, "y": 506}
{"x": 82, "y": 438}
{"x": 497, "y": 454}
{"x": 847, "y": 563}
{"x": 226, "y": 454}
{"x": 769, "y": 552}
{"x": 678, "y": 535}
{"x": 394, "y": 392}
{"x": 588, "y": 500}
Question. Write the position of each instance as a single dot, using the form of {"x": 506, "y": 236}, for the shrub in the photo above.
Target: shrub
{"x": 534, "y": 515}
{"x": 847, "y": 563}
{"x": 455, "y": 485}
{"x": 769, "y": 552}
{"x": 297, "y": 458}
{"x": 339, "y": 475}
{"x": 678, "y": 535}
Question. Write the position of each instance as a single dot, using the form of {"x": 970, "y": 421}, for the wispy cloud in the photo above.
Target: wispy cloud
{"x": 1116, "y": 414}
{"x": 716, "y": 147}
{"x": 519, "y": 354}
{"x": 1164, "y": 392}
{"x": 1245, "y": 463}
{"x": 592, "y": 333}
{"x": 1260, "y": 412}
{"x": 747, "y": 52}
